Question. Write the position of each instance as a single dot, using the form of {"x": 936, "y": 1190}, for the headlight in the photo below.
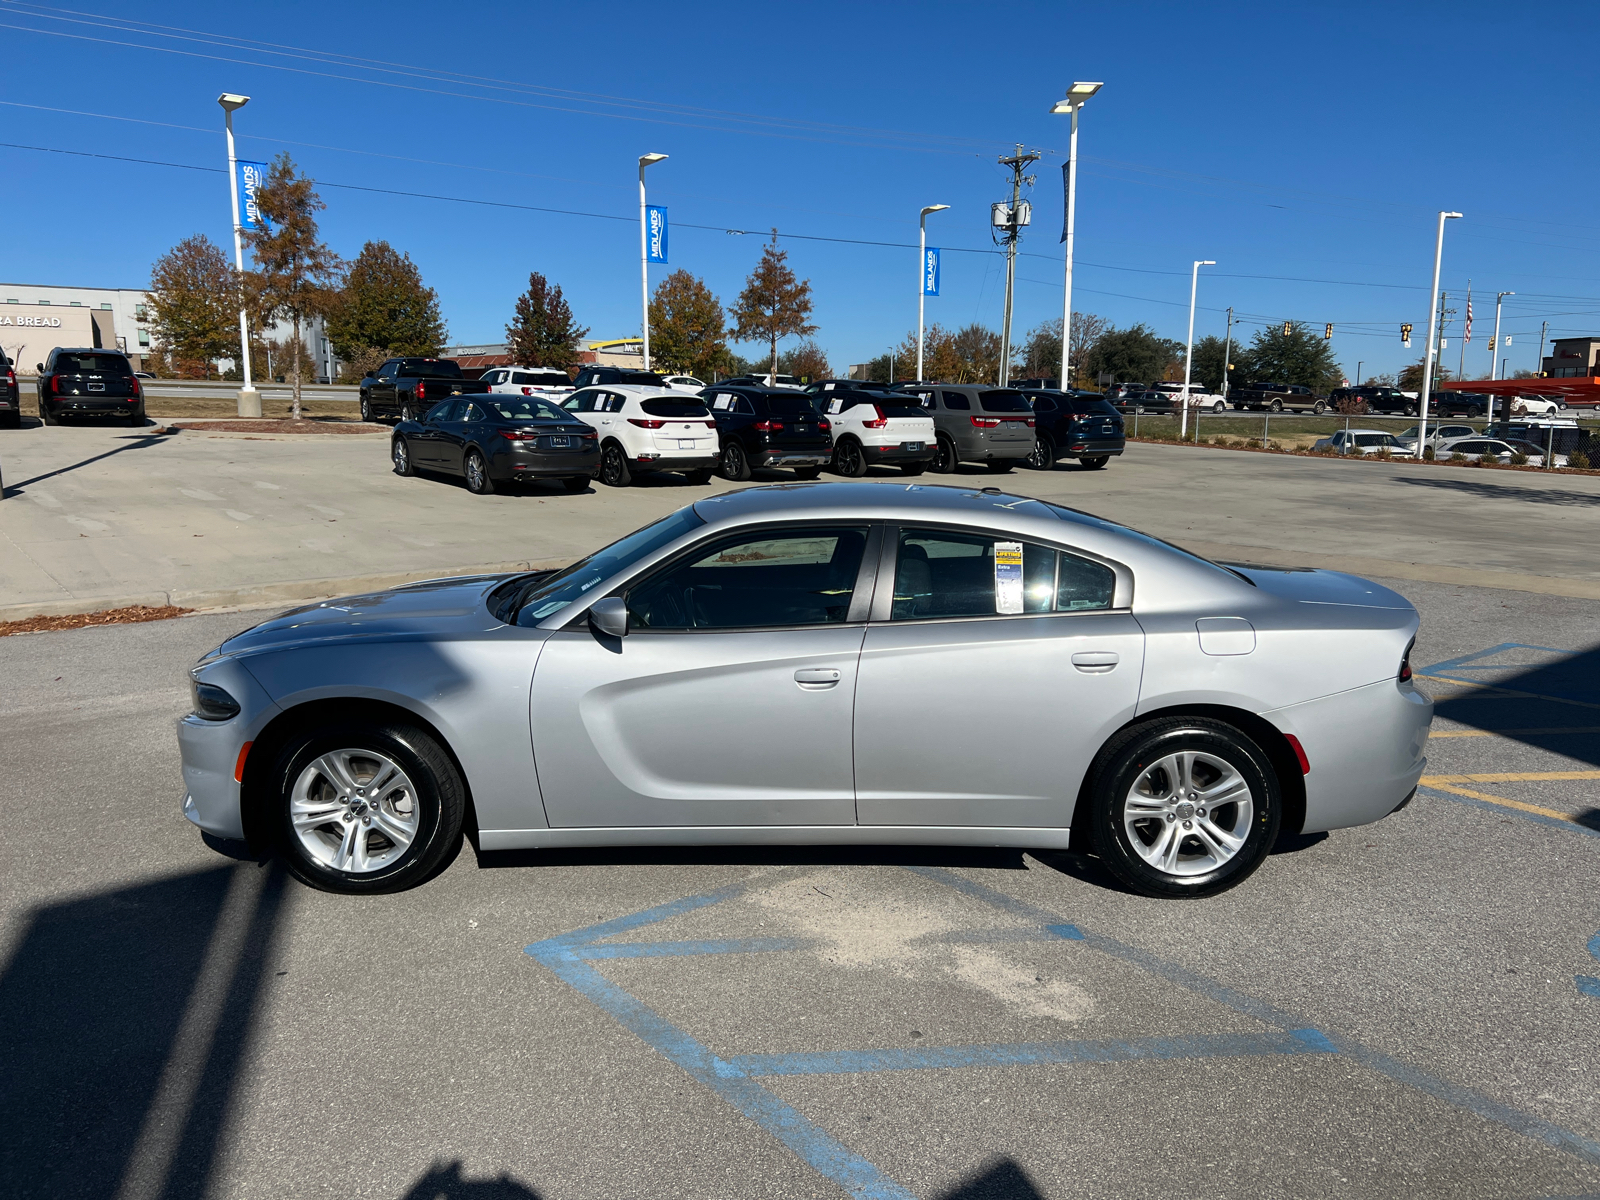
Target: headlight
{"x": 211, "y": 703}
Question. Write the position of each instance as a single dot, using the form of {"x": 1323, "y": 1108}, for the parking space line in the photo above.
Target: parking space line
{"x": 1588, "y": 985}
{"x": 1437, "y": 783}
{"x": 1503, "y": 693}
{"x": 1552, "y": 730}
{"x": 1527, "y": 812}
{"x": 1456, "y": 1095}
{"x": 1214, "y": 1045}
{"x": 1460, "y": 664}
{"x": 1509, "y": 777}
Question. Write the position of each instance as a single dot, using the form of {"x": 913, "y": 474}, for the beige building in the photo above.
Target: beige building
{"x": 36, "y": 318}
{"x": 1572, "y": 358}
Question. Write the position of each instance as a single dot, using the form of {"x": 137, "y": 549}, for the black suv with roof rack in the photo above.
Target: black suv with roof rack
{"x": 759, "y": 426}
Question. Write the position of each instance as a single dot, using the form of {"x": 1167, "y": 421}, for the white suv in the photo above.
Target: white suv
{"x": 527, "y": 381}
{"x": 647, "y": 429}
{"x": 876, "y": 427}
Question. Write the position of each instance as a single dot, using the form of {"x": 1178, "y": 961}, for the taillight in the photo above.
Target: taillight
{"x": 986, "y": 422}
{"x": 55, "y": 385}
{"x": 823, "y": 425}
{"x": 135, "y": 381}
{"x": 422, "y": 389}
{"x": 643, "y": 424}
{"x": 518, "y": 435}
{"x": 880, "y": 420}
{"x": 527, "y": 391}
{"x": 769, "y": 426}
{"x": 1405, "y": 663}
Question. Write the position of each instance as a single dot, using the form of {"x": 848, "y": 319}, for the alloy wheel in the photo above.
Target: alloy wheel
{"x": 1043, "y": 456}
{"x": 944, "y": 458}
{"x": 1188, "y": 813}
{"x": 354, "y": 810}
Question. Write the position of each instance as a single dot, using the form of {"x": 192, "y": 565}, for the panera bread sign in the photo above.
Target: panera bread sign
{"x": 33, "y": 322}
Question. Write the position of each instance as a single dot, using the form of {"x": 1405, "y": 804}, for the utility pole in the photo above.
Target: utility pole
{"x": 1011, "y": 218}
{"x": 1227, "y": 350}
{"x": 1538, "y": 363}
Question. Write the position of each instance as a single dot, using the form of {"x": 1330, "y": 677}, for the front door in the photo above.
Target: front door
{"x": 1000, "y": 671}
{"x": 728, "y": 703}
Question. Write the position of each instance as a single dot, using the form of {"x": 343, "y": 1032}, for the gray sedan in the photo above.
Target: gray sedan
{"x": 824, "y": 663}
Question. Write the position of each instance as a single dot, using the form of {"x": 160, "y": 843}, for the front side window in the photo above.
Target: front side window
{"x": 946, "y": 574}
{"x": 773, "y": 578}
{"x": 387, "y": 370}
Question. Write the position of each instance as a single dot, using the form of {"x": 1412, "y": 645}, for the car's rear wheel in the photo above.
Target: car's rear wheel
{"x": 848, "y": 459}
{"x": 477, "y": 472}
{"x": 944, "y": 458}
{"x": 1043, "y": 455}
{"x": 1276, "y": 406}
{"x": 735, "y": 463}
{"x": 366, "y": 808}
{"x": 366, "y": 408}
{"x": 400, "y": 452}
{"x": 1093, "y": 462}
{"x": 1319, "y": 408}
{"x": 1219, "y": 408}
{"x": 1183, "y": 807}
{"x": 614, "y": 470}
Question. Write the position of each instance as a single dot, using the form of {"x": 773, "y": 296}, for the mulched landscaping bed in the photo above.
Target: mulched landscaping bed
{"x": 273, "y": 425}
{"x": 108, "y": 616}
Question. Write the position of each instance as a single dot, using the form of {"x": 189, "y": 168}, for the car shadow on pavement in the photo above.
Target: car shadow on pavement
{"x": 140, "y": 441}
{"x": 1484, "y": 490}
{"x": 444, "y": 1181}
{"x": 1002, "y": 1179}
{"x": 125, "y": 1017}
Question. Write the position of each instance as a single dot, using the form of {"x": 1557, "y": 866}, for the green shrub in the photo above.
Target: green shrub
{"x": 1518, "y": 459}
{"x": 1579, "y": 460}
{"x": 1488, "y": 459}
{"x": 1458, "y": 457}
{"x": 1428, "y": 454}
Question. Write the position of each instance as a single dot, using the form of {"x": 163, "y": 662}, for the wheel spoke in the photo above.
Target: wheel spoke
{"x": 394, "y": 828}
{"x": 379, "y": 783}
{"x": 1168, "y": 858}
{"x": 352, "y": 849}
{"x": 1230, "y": 788}
{"x": 307, "y": 815}
{"x": 335, "y": 768}
{"x": 1223, "y": 844}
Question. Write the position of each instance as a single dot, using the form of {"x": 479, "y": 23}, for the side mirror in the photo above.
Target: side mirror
{"x": 609, "y": 615}
{"x": 40, "y": 367}
{"x": 368, "y": 375}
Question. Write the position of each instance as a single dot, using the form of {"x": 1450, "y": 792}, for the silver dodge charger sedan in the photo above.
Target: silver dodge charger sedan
{"x": 820, "y": 663}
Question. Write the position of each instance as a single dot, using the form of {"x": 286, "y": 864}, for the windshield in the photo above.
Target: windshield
{"x": 1373, "y": 439}
{"x": 1073, "y": 514}
{"x": 541, "y": 597}
{"x": 1004, "y": 402}
{"x": 526, "y": 408}
{"x": 430, "y": 368}
{"x": 111, "y": 364}
{"x": 1086, "y": 406}
{"x": 675, "y": 408}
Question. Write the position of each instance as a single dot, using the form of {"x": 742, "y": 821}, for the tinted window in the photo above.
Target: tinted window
{"x": 1006, "y": 401}
{"x": 791, "y": 406}
{"x": 387, "y": 370}
{"x": 542, "y": 597}
{"x": 642, "y": 378}
{"x": 743, "y": 406}
{"x": 1044, "y": 404}
{"x": 956, "y": 401}
{"x": 430, "y": 368}
{"x": 1372, "y": 439}
{"x": 1090, "y": 406}
{"x": 689, "y": 407}
{"x": 788, "y": 577}
{"x": 526, "y": 408}
{"x": 107, "y": 364}
{"x": 580, "y": 402}
{"x": 939, "y": 574}
{"x": 440, "y": 411}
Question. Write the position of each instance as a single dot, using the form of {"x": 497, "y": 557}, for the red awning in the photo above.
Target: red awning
{"x": 1576, "y": 390}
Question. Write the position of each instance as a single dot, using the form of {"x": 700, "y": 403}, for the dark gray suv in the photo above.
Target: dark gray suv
{"x": 976, "y": 423}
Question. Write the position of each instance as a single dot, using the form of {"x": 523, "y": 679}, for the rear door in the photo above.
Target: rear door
{"x": 991, "y": 675}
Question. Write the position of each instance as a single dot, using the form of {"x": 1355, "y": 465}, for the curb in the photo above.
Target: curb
{"x": 265, "y": 594}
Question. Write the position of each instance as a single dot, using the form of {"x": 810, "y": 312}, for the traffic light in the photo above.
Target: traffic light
{"x": 1327, "y": 331}
{"x": 1286, "y": 326}
{"x": 1405, "y": 336}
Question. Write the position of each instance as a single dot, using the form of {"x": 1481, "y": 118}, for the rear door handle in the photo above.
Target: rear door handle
{"x": 817, "y": 678}
{"x": 1095, "y": 662}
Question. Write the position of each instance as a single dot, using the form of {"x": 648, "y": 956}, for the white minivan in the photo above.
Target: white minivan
{"x": 648, "y": 429}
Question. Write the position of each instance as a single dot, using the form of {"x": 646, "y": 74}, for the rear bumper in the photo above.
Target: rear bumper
{"x": 794, "y": 458}
{"x": 552, "y": 465}
{"x": 676, "y": 462}
{"x": 1094, "y": 447}
{"x": 896, "y": 454}
{"x": 121, "y": 405}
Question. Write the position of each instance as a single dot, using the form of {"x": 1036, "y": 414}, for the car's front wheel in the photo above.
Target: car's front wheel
{"x": 366, "y": 808}
{"x": 1183, "y": 807}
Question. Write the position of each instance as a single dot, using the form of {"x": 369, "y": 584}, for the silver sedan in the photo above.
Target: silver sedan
{"x": 820, "y": 664}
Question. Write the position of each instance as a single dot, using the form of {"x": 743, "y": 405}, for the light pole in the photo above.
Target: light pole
{"x": 1433, "y": 348}
{"x": 249, "y": 398}
{"x": 1076, "y": 95}
{"x": 645, "y": 160}
{"x": 1358, "y": 374}
{"x": 1188, "y": 353}
{"x": 922, "y": 271}
{"x": 1494, "y": 349}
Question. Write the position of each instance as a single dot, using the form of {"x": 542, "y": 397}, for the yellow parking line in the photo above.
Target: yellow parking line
{"x": 1508, "y": 693}
{"x": 1453, "y": 733}
{"x": 1500, "y": 800}
{"x": 1509, "y": 777}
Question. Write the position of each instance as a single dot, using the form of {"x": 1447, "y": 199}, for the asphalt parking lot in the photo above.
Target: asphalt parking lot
{"x": 1406, "y": 1008}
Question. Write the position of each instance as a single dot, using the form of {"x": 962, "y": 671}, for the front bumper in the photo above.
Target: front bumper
{"x": 210, "y": 751}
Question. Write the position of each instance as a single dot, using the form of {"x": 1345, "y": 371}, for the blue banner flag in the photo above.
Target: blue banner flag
{"x": 655, "y": 221}
{"x": 930, "y": 271}
{"x": 252, "y": 178}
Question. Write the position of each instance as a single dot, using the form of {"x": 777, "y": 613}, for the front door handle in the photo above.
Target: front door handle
{"x": 815, "y": 679}
{"x": 1095, "y": 662}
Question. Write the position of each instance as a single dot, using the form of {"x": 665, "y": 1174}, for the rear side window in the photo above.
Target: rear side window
{"x": 955, "y": 401}
{"x": 1044, "y": 404}
{"x": 658, "y": 407}
{"x": 430, "y": 368}
{"x": 96, "y": 364}
{"x": 947, "y": 574}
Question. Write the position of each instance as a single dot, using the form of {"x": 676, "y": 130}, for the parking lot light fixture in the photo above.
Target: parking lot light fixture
{"x": 1433, "y": 347}
{"x": 1188, "y": 353}
{"x": 1069, "y": 106}
{"x": 645, "y": 160}
{"x": 249, "y": 398}
{"x": 922, "y": 268}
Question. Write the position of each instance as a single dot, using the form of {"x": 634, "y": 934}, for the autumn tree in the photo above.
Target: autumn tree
{"x": 774, "y": 304}
{"x": 687, "y": 329}
{"x": 296, "y": 272}
{"x": 1041, "y": 353}
{"x": 1134, "y": 354}
{"x": 807, "y": 361}
{"x": 194, "y": 303}
{"x": 1411, "y": 377}
{"x": 385, "y": 307}
{"x": 542, "y": 332}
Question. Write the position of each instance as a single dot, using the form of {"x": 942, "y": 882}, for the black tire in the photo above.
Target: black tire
{"x": 405, "y": 413}
{"x": 700, "y": 476}
{"x": 437, "y": 794}
{"x": 1043, "y": 455}
{"x": 576, "y": 483}
{"x": 1412, "y": 411}
{"x": 1319, "y": 408}
{"x": 45, "y": 415}
{"x": 1137, "y": 753}
{"x": 848, "y": 459}
{"x": 1275, "y": 407}
{"x": 366, "y": 408}
{"x": 808, "y": 473}
{"x": 1094, "y": 462}
{"x": 614, "y": 470}
{"x": 1219, "y": 408}
{"x": 735, "y": 465}
{"x": 913, "y": 468}
{"x": 944, "y": 461}
{"x": 400, "y": 455}
{"x": 476, "y": 470}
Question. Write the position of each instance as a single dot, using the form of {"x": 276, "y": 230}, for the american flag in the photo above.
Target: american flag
{"x": 1469, "y": 320}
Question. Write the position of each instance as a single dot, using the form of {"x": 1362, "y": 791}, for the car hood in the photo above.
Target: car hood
{"x": 436, "y": 608}
{"x": 1307, "y": 586}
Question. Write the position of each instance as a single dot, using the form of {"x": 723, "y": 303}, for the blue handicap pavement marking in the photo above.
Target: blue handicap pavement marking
{"x": 735, "y": 1078}
{"x": 1462, "y": 663}
{"x": 1588, "y": 985}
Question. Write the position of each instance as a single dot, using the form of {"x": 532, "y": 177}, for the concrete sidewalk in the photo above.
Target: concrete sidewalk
{"x": 98, "y": 517}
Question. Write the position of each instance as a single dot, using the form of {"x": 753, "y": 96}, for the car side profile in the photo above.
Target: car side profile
{"x": 1499, "y": 450}
{"x": 761, "y": 667}
{"x": 975, "y": 423}
{"x": 768, "y": 427}
{"x": 643, "y": 429}
{"x": 1269, "y": 396}
{"x": 1080, "y": 425}
{"x": 1461, "y": 404}
{"x": 1365, "y": 441}
{"x": 406, "y": 388}
{"x": 88, "y": 382}
{"x": 873, "y": 427}
{"x": 495, "y": 441}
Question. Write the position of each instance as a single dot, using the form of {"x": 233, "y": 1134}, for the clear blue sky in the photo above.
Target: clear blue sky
{"x": 1313, "y": 142}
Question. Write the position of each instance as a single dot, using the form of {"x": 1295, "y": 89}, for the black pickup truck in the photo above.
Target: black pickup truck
{"x": 405, "y": 388}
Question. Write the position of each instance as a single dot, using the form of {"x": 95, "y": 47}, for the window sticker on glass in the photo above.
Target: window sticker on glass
{"x": 722, "y": 403}
{"x": 1008, "y": 577}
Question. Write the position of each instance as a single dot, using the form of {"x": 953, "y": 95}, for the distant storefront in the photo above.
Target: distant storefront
{"x": 1573, "y": 358}
{"x": 35, "y": 319}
